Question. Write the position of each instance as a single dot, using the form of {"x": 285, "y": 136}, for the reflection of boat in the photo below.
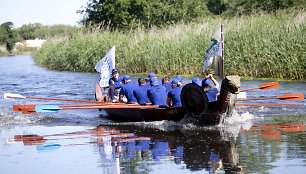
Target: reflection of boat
{"x": 119, "y": 146}
{"x": 197, "y": 149}
{"x": 194, "y": 101}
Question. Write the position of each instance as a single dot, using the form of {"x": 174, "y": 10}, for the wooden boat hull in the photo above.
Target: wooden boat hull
{"x": 148, "y": 114}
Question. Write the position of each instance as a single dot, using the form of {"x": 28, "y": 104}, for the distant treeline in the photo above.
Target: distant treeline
{"x": 259, "y": 45}
{"x": 10, "y": 35}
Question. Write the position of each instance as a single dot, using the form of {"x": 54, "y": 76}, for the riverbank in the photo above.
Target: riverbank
{"x": 260, "y": 46}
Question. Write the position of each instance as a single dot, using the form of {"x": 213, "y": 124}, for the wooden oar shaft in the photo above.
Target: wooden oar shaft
{"x": 86, "y": 101}
{"x": 266, "y": 104}
{"x": 256, "y": 99}
{"x": 101, "y": 104}
{"x": 265, "y": 86}
{"x": 248, "y": 89}
{"x": 286, "y": 97}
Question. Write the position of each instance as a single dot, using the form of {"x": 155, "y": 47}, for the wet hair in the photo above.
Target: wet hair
{"x": 165, "y": 79}
{"x": 141, "y": 81}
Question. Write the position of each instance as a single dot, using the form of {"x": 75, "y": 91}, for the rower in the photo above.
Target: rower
{"x": 210, "y": 91}
{"x": 157, "y": 94}
{"x": 197, "y": 81}
{"x": 140, "y": 92}
{"x": 166, "y": 83}
{"x": 115, "y": 84}
{"x": 174, "y": 95}
{"x": 180, "y": 79}
{"x": 151, "y": 75}
{"x": 127, "y": 90}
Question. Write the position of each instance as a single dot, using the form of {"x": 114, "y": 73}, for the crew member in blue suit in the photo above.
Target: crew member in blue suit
{"x": 115, "y": 84}
{"x": 180, "y": 78}
{"x": 127, "y": 90}
{"x": 197, "y": 81}
{"x": 140, "y": 93}
{"x": 151, "y": 76}
{"x": 166, "y": 83}
{"x": 210, "y": 91}
{"x": 175, "y": 94}
{"x": 157, "y": 94}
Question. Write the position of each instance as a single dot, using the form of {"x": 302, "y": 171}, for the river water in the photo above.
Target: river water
{"x": 257, "y": 139}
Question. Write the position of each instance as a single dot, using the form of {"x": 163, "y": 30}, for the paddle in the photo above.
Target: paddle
{"x": 18, "y": 96}
{"x": 267, "y": 104}
{"x": 29, "y": 109}
{"x": 54, "y": 108}
{"x": 285, "y": 97}
{"x": 264, "y": 86}
{"x": 18, "y": 108}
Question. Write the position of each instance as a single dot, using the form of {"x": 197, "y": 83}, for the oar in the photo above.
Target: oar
{"x": 285, "y": 97}
{"x": 54, "y": 108}
{"x": 267, "y": 104}
{"x": 264, "y": 86}
{"x": 18, "y": 108}
{"x": 18, "y": 96}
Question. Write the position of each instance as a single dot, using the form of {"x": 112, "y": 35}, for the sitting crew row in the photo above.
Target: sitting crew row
{"x": 161, "y": 93}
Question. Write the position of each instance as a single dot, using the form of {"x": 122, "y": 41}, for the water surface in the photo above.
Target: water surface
{"x": 261, "y": 139}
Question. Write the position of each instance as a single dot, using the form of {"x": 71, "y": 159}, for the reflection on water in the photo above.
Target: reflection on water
{"x": 128, "y": 148}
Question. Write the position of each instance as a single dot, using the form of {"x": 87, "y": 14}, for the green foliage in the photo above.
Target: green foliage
{"x": 8, "y": 36}
{"x": 130, "y": 14}
{"x": 255, "y": 46}
{"x": 247, "y": 7}
{"x": 37, "y": 30}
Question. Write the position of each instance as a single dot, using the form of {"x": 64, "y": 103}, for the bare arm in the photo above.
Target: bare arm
{"x": 168, "y": 101}
{"x": 213, "y": 80}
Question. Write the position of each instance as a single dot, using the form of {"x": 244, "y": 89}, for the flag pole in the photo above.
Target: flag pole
{"x": 222, "y": 51}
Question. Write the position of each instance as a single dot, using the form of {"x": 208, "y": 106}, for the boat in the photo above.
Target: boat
{"x": 195, "y": 105}
{"x": 147, "y": 114}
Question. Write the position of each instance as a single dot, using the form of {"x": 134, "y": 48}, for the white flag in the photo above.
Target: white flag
{"x": 214, "y": 49}
{"x": 105, "y": 67}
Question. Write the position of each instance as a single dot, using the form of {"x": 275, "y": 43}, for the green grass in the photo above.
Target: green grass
{"x": 261, "y": 46}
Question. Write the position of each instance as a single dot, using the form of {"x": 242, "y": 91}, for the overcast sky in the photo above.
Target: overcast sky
{"x": 46, "y": 12}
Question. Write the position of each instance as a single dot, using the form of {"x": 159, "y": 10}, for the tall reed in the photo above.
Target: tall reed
{"x": 260, "y": 45}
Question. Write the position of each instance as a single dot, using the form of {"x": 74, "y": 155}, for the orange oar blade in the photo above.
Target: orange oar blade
{"x": 18, "y": 108}
{"x": 270, "y": 85}
{"x": 285, "y": 97}
{"x": 290, "y": 97}
{"x": 265, "y": 86}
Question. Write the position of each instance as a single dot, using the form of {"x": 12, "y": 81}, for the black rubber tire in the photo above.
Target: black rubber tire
{"x": 194, "y": 99}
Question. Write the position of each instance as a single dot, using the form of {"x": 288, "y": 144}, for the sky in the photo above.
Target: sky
{"x": 46, "y": 12}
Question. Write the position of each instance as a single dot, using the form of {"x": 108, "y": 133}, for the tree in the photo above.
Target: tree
{"x": 8, "y": 36}
{"x": 130, "y": 14}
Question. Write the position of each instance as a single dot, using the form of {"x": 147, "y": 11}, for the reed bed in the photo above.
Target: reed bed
{"x": 259, "y": 45}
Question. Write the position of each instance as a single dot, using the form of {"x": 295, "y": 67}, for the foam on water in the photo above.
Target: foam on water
{"x": 10, "y": 119}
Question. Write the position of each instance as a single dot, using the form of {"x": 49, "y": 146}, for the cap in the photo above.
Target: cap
{"x": 197, "y": 81}
{"x": 151, "y": 74}
{"x": 126, "y": 77}
{"x": 154, "y": 82}
{"x": 114, "y": 70}
{"x": 205, "y": 82}
{"x": 180, "y": 78}
{"x": 175, "y": 81}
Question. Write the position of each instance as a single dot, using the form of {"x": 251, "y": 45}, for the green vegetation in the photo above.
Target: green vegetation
{"x": 132, "y": 14}
{"x": 8, "y": 36}
{"x": 260, "y": 45}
